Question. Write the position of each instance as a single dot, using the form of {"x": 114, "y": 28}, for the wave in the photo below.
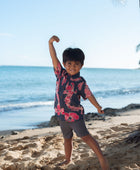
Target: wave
{"x": 18, "y": 106}
{"x": 10, "y": 106}
{"x": 117, "y": 92}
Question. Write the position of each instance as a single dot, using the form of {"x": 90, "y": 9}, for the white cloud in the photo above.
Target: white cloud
{"x": 7, "y": 35}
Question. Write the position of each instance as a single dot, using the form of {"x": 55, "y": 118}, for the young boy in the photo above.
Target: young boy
{"x": 69, "y": 88}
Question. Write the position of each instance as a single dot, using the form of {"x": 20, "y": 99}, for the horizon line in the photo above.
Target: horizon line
{"x": 52, "y": 66}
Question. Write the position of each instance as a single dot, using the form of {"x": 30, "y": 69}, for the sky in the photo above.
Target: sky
{"x": 106, "y": 30}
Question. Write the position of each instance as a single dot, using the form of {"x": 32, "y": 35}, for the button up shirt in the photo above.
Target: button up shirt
{"x": 69, "y": 90}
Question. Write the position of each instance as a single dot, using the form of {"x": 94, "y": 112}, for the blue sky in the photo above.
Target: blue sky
{"x": 105, "y": 30}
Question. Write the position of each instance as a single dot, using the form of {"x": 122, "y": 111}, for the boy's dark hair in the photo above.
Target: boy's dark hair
{"x": 73, "y": 54}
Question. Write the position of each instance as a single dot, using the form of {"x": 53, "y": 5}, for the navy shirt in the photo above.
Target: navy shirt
{"x": 69, "y": 90}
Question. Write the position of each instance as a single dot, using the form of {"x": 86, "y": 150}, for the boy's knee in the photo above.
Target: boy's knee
{"x": 85, "y": 138}
{"x": 67, "y": 140}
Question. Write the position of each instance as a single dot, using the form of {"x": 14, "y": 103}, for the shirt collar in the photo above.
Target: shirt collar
{"x": 75, "y": 75}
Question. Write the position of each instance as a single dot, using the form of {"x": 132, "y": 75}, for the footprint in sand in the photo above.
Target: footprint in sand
{"x": 23, "y": 147}
{"x": 11, "y": 155}
{"x": 118, "y": 128}
{"x": 84, "y": 155}
{"x": 3, "y": 146}
{"x": 103, "y": 132}
{"x": 35, "y": 153}
{"x": 124, "y": 124}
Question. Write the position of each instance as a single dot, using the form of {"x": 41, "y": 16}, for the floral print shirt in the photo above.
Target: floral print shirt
{"x": 69, "y": 89}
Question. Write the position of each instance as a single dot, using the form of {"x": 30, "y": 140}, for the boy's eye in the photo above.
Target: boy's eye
{"x": 77, "y": 63}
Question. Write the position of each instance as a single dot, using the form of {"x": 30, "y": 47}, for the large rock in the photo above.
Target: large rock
{"x": 131, "y": 106}
{"x": 111, "y": 111}
{"x": 93, "y": 116}
{"x": 43, "y": 124}
{"x": 53, "y": 121}
{"x": 114, "y": 112}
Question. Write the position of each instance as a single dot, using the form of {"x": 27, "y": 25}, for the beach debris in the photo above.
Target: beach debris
{"x": 1, "y": 137}
{"x": 14, "y": 132}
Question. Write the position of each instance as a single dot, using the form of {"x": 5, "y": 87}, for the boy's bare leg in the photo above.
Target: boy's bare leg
{"x": 68, "y": 151}
{"x": 95, "y": 147}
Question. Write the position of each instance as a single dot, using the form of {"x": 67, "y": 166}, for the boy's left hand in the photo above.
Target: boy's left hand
{"x": 100, "y": 110}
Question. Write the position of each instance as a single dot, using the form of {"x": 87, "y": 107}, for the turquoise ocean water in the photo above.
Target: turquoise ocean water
{"x": 27, "y": 93}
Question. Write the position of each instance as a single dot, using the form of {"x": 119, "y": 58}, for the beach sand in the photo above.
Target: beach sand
{"x": 42, "y": 149}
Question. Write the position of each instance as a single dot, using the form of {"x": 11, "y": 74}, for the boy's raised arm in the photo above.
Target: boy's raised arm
{"x": 55, "y": 60}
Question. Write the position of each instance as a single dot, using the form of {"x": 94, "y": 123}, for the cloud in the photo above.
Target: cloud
{"x": 6, "y": 35}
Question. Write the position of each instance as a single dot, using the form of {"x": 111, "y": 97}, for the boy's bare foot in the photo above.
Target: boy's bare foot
{"x": 63, "y": 163}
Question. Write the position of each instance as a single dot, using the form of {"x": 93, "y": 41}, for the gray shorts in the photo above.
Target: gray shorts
{"x": 78, "y": 127}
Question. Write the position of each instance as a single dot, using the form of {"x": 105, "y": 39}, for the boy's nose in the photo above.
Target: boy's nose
{"x": 73, "y": 66}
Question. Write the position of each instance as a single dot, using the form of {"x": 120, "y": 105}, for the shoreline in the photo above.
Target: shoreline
{"x": 109, "y": 112}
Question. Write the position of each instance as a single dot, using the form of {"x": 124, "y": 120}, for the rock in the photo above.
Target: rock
{"x": 131, "y": 106}
{"x": 14, "y": 132}
{"x": 43, "y": 124}
{"x": 114, "y": 112}
{"x": 1, "y": 137}
{"x": 111, "y": 111}
{"x": 53, "y": 121}
{"x": 93, "y": 116}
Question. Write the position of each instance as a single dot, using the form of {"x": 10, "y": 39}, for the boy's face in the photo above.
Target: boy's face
{"x": 72, "y": 67}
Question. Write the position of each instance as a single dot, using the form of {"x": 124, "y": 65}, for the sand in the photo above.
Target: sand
{"x": 42, "y": 149}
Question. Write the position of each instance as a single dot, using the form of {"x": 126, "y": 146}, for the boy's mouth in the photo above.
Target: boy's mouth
{"x": 72, "y": 70}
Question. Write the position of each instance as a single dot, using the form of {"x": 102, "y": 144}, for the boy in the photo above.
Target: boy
{"x": 69, "y": 88}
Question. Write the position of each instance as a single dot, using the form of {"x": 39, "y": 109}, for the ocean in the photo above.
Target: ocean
{"x": 27, "y": 93}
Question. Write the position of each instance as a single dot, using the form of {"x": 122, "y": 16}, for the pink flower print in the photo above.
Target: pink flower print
{"x": 75, "y": 79}
{"x": 58, "y": 107}
{"x": 58, "y": 69}
{"x": 71, "y": 117}
{"x": 70, "y": 87}
{"x": 80, "y": 86}
{"x": 59, "y": 110}
{"x": 87, "y": 92}
{"x": 67, "y": 100}
{"x": 64, "y": 80}
{"x": 57, "y": 87}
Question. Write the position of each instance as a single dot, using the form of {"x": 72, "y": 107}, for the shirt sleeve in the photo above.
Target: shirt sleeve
{"x": 58, "y": 70}
{"x": 85, "y": 91}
